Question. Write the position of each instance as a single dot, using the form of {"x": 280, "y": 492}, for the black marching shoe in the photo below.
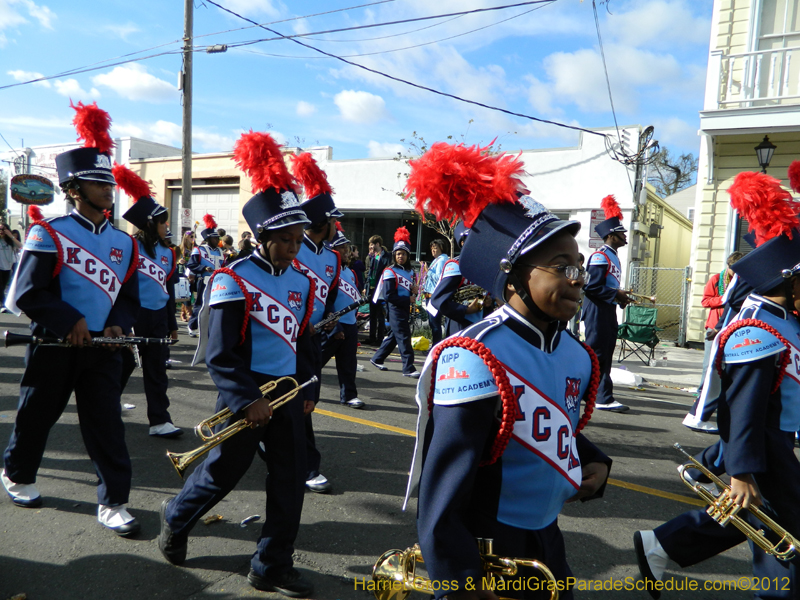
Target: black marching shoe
{"x": 173, "y": 547}
{"x": 289, "y": 583}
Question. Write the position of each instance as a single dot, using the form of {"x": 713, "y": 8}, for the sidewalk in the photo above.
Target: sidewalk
{"x": 683, "y": 366}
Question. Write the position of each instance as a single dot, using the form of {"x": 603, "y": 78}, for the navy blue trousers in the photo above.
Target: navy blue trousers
{"x": 601, "y": 336}
{"x": 218, "y": 474}
{"x": 345, "y": 352}
{"x": 151, "y": 323}
{"x": 51, "y": 375}
{"x": 399, "y": 336}
{"x": 545, "y": 545}
{"x": 312, "y": 392}
{"x": 377, "y": 320}
{"x": 436, "y": 327}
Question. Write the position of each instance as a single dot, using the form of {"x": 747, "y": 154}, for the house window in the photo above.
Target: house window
{"x": 739, "y": 242}
{"x": 780, "y": 25}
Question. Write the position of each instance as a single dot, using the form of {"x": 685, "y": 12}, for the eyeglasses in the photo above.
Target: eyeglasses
{"x": 571, "y": 272}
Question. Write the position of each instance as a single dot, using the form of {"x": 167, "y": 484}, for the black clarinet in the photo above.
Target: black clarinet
{"x": 335, "y": 315}
{"x": 18, "y": 339}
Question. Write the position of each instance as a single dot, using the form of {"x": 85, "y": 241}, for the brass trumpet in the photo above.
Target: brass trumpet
{"x": 205, "y": 429}
{"x": 395, "y": 574}
{"x": 642, "y": 296}
{"x": 724, "y": 511}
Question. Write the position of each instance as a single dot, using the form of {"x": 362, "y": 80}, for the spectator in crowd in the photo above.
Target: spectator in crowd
{"x": 357, "y": 265}
{"x": 245, "y": 248}
{"x": 378, "y": 260}
{"x": 8, "y": 256}
{"x": 184, "y": 251}
{"x": 712, "y": 299}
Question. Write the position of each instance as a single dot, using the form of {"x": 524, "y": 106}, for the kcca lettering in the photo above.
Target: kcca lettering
{"x": 150, "y": 269}
{"x": 321, "y": 285}
{"x": 273, "y": 315}
{"x": 89, "y": 266}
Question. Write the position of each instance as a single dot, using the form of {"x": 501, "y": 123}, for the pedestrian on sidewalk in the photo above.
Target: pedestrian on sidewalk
{"x": 377, "y": 261}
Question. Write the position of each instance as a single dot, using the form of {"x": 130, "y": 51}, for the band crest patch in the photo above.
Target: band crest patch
{"x": 295, "y": 300}
{"x": 572, "y": 394}
{"x": 115, "y": 255}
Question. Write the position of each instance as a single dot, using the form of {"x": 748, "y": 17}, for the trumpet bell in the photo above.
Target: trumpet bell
{"x": 389, "y": 576}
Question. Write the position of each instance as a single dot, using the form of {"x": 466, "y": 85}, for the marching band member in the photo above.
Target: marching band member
{"x": 259, "y": 310}
{"x": 499, "y": 443}
{"x": 398, "y": 289}
{"x": 603, "y": 295}
{"x": 342, "y": 341}
{"x": 323, "y": 265}
{"x": 458, "y": 315}
{"x": 759, "y": 402}
{"x": 432, "y": 278}
{"x": 204, "y": 260}
{"x": 76, "y": 280}
{"x": 157, "y": 279}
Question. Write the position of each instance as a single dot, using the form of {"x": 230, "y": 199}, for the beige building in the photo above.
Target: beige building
{"x": 752, "y": 91}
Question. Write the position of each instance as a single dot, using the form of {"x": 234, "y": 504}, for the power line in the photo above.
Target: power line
{"x": 412, "y": 84}
{"x": 405, "y": 47}
{"x": 371, "y": 25}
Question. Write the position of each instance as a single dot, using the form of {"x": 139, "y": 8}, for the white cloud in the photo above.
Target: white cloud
{"x": 10, "y": 13}
{"x": 660, "y": 24}
{"x": 384, "y": 149}
{"x": 253, "y": 8}
{"x": 72, "y": 89}
{"x": 28, "y": 76}
{"x": 305, "y": 109}
{"x": 171, "y": 134}
{"x": 360, "y": 107}
{"x": 133, "y": 82}
{"x": 123, "y": 31}
{"x": 676, "y": 133}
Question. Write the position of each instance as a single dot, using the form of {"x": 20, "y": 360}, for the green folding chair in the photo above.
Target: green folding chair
{"x": 638, "y": 333}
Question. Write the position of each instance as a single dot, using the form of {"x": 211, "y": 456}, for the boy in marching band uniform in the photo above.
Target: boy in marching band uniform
{"x": 499, "y": 443}
{"x": 759, "y": 401}
{"x": 323, "y": 266}
{"x": 342, "y": 341}
{"x": 397, "y": 287}
{"x": 157, "y": 279}
{"x": 204, "y": 260}
{"x": 259, "y": 310}
{"x": 76, "y": 280}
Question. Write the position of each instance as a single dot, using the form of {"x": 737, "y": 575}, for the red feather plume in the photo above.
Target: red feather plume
{"x": 402, "y": 235}
{"x": 794, "y": 175}
{"x": 610, "y": 207}
{"x": 454, "y": 181}
{"x": 35, "y": 213}
{"x": 259, "y": 155}
{"x": 310, "y": 176}
{"x": 108, "y": 214}
{"x": 339, "y": 227}
{"x": 130, "y": 182}
{"x": 768, "y": 208}
{"x": 92, "y": 124}
{"x": 209, "y": 222}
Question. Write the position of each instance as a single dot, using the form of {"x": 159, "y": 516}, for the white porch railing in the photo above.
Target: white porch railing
{"x": 760, "y": 78}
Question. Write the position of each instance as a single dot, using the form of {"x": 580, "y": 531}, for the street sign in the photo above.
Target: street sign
{"x": 186, "y": 217}
{"x": 32, "y": 189}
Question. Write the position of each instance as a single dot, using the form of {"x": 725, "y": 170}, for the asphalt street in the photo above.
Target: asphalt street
{"x": 60, "y": 551}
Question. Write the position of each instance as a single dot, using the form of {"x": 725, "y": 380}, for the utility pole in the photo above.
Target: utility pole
{"x": 186, "y": 84}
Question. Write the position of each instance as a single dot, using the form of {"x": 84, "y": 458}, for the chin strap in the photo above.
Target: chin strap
{"x": 787, "y": 290}
{"x": 86, "y": 200}
{"x": 527, "y": 300}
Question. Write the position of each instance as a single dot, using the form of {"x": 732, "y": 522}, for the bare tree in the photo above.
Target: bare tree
{"x": 416, "y": 146}
{"x": 670, "y": 174}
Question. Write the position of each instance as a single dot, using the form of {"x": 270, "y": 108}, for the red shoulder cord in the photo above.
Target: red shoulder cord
{"x": 786, "y": 356}
{"x": 507, "y": 395}
{"x": 59, "y": 249}
{"x": 312, "y": 291}
{"x": 134, "y": 266}
{"x": 174, "y": 263}
{"x": 248, "y": 298}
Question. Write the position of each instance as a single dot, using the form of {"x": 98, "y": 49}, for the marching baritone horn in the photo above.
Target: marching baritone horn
{"x": 395, "y": 573}
{"x": 467, "y": 293}
{"x": 204, "y": 429}
{"x": 723, "y": 510}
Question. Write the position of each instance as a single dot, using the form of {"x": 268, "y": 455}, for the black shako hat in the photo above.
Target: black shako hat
{"x": 271, "y": 209}
{"x": 501, "y": 234}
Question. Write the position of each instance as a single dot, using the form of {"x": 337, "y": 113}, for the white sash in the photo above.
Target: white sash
{"x": 546, "y": 430}
{"x": 90, "y": 267}
{"x": 321, "y": 292}
{"x": 152, "y": 270}
{"x": 273, "y": 315}
{"x": 349, "y": 290}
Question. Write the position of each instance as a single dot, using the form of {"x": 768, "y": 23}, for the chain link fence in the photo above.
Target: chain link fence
{"x": 671, "y": 290}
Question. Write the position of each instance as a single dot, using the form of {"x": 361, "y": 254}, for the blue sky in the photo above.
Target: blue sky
{"x": 545, "y": 63}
